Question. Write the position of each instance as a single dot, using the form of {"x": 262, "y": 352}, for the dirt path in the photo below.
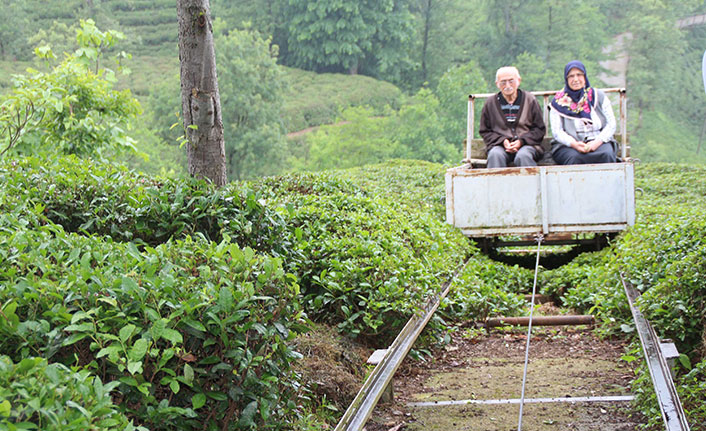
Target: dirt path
{"x": 563, "y": 363}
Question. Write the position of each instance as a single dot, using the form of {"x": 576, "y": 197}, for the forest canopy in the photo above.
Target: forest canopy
{"x": 410, "y": 44}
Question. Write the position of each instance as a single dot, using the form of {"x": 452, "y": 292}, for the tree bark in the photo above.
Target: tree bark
{"x": 200, "y": 100}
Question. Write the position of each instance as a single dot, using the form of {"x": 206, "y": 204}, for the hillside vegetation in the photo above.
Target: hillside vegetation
{"x": 134, "y": 297}
{"x": 415, "y": 47}
{"x": 184, "y": 301}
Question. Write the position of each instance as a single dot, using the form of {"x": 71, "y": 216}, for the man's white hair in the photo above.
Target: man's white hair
{"x": 507, "y": 69}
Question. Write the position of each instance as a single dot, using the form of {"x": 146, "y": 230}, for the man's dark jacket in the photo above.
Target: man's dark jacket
{"x": 529, "y": 126}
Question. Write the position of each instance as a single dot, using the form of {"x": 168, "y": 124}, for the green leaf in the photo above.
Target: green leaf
{"x": 218, "y": 396}
{"x": 198, "y": 401}
{"x": 188, "y": 374}
{"x": 27, "y": 364}
{"x": 111, "y": 351}
{"x": 248, "y": 415}
{"x": 83, "y": 327}
{"x": 685, "y": 362}
{"x": 5, "y": 408}
{"x": 195, "y": 324}
{"x": 108, "y": 300}
{"x": 73, "y": 338}
{"x": 157, "y": 329}
{"x": 172, "y": 335}
{"x": 130, "y": 381}
{"x": 129, "y": 285}
{"x": 126, "y": 332}
{"x": 174, "y": 386}
{"x": 134, "y": 367}
{"x": 78, "y": 407}
{"x": 139, "y": 349}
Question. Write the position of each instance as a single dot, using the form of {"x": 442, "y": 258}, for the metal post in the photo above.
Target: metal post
{"x": 623, "y": 124}
{"x": 469, "y": 127}
{"x": 545, "y": 199}
{"x": 545, "y": 114}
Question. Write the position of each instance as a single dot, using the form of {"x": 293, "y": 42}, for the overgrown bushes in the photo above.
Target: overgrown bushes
{"x": 188, "y": 327}
{"x": 183, "y": 299}
{"x": 364, "y": 262}
{"x": 193, "y": 326}
{"x": 102, "y": 199}
{"x": 37, "y": 395}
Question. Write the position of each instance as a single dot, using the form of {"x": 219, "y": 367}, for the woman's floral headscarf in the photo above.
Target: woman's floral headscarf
{"x": 575, "y": 103}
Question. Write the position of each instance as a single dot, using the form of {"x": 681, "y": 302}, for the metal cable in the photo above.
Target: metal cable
{"x": 540, "y": 237}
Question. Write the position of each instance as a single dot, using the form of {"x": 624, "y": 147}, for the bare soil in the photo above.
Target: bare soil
{"x": 567, "y": 362}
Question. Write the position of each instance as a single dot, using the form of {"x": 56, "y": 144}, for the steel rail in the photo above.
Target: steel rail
{"x": 667, "y": 396}
{"x": 361, "y": 408}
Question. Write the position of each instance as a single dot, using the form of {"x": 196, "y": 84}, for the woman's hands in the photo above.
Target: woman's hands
{"x": 586, "y": 147}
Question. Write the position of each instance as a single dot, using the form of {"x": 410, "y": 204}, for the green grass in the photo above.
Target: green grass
{"x": 147, "y": 72}
{"x": 662, "y": 138}
{"x": 316, "y": 99}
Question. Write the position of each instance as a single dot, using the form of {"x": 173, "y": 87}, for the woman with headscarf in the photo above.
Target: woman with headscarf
{"x": 582, "y": 121}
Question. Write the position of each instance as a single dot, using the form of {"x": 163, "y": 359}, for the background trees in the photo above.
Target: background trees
{"x": 73, "y": 108}
{"x": 252, "y": 85}
{"x": 349, "y": 36}
{"x": 412, "y": 44}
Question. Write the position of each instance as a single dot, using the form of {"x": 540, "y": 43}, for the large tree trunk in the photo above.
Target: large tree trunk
{"x": 427, "y": 13}
{"x": 200, "y": 100}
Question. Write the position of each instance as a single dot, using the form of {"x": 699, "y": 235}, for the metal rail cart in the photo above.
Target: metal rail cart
{"x": 560, "y": 202}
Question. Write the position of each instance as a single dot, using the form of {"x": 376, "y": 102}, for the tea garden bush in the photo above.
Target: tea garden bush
{"x": 39, "y": 395}
{"x": 192, "y": 325}
{"x": 182, "y": 299}
{"x": 188, "y": 327}
{"x": 186, "y": 296}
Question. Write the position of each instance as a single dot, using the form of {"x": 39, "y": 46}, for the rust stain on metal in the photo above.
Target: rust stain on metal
{"x": 499, "y": 172}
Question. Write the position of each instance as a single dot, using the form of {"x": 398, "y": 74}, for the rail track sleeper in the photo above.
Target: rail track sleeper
{"x": 564, "y": 320}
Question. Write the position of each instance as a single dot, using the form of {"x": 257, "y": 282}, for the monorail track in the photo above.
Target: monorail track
{"x": 361, "y": 409}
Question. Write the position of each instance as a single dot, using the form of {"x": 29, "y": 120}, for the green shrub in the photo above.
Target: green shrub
{"x": 692, "y": 387}
{"x": 72, "y": 109}
{"x": 664, "y": 255}
{"x": 188, "y": 328}
{"x": 97, "y": 198}
{"x": 37, "y": 395}
{"x": 364, "y": 262}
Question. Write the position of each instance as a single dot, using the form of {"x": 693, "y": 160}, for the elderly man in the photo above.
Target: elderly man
{"x": 511, "y": 123}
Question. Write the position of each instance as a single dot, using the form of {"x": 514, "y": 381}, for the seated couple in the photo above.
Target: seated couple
{"x": 581, "y": 118}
